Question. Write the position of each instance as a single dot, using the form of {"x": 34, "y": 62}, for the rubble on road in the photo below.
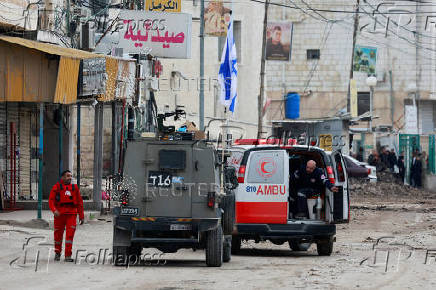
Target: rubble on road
{"x": 387, "y": 185}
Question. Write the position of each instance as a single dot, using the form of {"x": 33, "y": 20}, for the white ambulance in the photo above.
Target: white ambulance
{"x": 264, "y": 209}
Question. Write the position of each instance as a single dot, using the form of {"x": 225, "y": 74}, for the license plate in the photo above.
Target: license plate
{"x": 159, "y": 179}
{"x": 129, "y": 211}
{"x": 180, "y": 227}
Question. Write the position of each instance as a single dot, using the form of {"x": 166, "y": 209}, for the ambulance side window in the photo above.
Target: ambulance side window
{"x": 266, "y": 167}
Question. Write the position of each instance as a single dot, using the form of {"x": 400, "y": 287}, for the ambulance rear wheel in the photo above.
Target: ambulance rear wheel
{"x": 214, "y": 247}
{"x": 325, "y": 248}
{"x": 227, "y": 249}
{"x": 299, "y": 247}
{"x": 236, "y": 245}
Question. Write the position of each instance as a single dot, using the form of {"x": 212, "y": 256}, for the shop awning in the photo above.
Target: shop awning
{"x": 50, "y": 48}
{"x": 29, "y": 75}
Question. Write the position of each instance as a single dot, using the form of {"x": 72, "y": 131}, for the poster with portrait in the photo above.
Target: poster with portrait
{"x": 278, "y": 41}
{"x": 216, "y": 19}
{"x": 365, "y": 59}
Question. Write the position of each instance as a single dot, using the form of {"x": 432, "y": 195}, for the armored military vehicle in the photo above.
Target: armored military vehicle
{"x": 175, "y": 202}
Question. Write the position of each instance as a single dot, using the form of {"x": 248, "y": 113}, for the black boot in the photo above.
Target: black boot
{"x": 69, "y": 259}
{"x": 57, "y": 257}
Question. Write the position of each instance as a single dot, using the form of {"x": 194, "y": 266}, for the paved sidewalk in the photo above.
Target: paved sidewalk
{"x": 29, "y": 218}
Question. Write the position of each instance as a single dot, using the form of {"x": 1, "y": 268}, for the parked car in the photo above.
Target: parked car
{"x": 358, "y": 169}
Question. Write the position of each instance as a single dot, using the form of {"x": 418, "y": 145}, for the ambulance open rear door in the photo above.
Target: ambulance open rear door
{"x": 262, "y": 195}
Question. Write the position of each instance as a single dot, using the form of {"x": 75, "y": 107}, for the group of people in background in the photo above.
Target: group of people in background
{"x": 387, "y": 159}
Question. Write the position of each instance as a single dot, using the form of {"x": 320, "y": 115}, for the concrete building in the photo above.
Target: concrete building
{"x": 248, "y": 19}
{"x": 405, "y": 66}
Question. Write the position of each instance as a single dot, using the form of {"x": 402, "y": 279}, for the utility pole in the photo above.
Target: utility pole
{"x": 40, "y": 157}
{"x": 67, "y": 16}
{"x": 356, "y": 27}
{"x": 201, "y": 97}
{"x": 262, "y": 76}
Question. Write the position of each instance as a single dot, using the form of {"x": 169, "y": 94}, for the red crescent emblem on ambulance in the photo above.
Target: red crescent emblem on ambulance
{"x": 266, "y": 167}
{"x": 262, "y": 167}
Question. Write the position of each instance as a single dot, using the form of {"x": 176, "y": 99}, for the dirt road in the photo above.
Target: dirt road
{"x": 358, "y": 261}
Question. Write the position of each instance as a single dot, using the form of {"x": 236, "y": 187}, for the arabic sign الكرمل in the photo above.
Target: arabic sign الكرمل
{"x": 163, "y": 5}
{"x": 167, "y": 35}
{"x": 216, "y": 19}
{"x": 365, "y": 59}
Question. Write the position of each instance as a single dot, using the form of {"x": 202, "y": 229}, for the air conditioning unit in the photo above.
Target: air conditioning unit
{"x": 87, "y": 37}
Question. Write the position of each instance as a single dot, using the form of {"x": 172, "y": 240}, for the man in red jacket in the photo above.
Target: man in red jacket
{"x": 65, "y": 202}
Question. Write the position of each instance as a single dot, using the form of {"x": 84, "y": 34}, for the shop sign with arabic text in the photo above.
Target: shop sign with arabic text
{"x": 167, "y": 35}
{"x": 163, "y": 5}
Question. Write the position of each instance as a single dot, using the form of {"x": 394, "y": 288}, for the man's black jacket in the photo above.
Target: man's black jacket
{"x": 315, "y": 180}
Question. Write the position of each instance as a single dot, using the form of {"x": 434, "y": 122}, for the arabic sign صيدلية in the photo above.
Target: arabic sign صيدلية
{"x": 166, "y": 34}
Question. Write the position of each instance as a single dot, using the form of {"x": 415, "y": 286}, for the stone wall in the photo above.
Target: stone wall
{"x": 325, "y": 82}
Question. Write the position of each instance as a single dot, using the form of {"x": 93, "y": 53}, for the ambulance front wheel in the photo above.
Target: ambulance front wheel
{"x": 227, "y": 249}
{"x": 325, "y": 247}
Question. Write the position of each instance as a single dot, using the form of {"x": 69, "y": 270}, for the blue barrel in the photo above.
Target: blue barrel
{"x": 292, "y": 106}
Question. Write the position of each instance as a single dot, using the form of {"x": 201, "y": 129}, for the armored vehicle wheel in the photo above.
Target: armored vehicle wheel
{"x": 325, "y": 248}
{"x": 227, "y": 249}
{"x": 228, "y": 206}
{"x": 123, "y": 255}
{"x": 296, "y": 246}
{"x": 214, "y": 247}
{"x": 236, "y": 245}
{"x": 119, "y": 255}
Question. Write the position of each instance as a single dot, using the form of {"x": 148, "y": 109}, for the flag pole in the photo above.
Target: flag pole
{"x": 201, "y": 97}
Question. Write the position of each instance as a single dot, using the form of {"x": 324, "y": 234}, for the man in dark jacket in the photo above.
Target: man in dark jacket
{"x": 416, "y": 171}
{"x": 360, "y": 154}
{"x": 401, "y": 167}
{"x": 384, "y": 158}
{"x": 392, "y": 160}
{"x": 309, "y": 180}
{"x": 373, "y": 159}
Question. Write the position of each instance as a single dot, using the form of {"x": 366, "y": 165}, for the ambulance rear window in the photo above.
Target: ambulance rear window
{"x": 172, "y": 159}
{"x": 266, "y": 167}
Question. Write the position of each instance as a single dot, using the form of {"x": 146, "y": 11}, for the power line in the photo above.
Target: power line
{"x": 365, "y": 12}
{"x": 341, "y": 11}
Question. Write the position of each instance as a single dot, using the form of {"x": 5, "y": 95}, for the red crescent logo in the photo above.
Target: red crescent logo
{"x": 266, "y": 167}
{"x": 262, "y": 167}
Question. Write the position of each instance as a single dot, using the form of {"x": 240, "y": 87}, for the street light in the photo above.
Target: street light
{"x": 371, "y": 81}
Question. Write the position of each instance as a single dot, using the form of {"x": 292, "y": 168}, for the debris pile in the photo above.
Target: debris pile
{"x": 387, "y": 185}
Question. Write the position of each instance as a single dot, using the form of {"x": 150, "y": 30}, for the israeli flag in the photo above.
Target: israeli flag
{"x": 228, "y": 74}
